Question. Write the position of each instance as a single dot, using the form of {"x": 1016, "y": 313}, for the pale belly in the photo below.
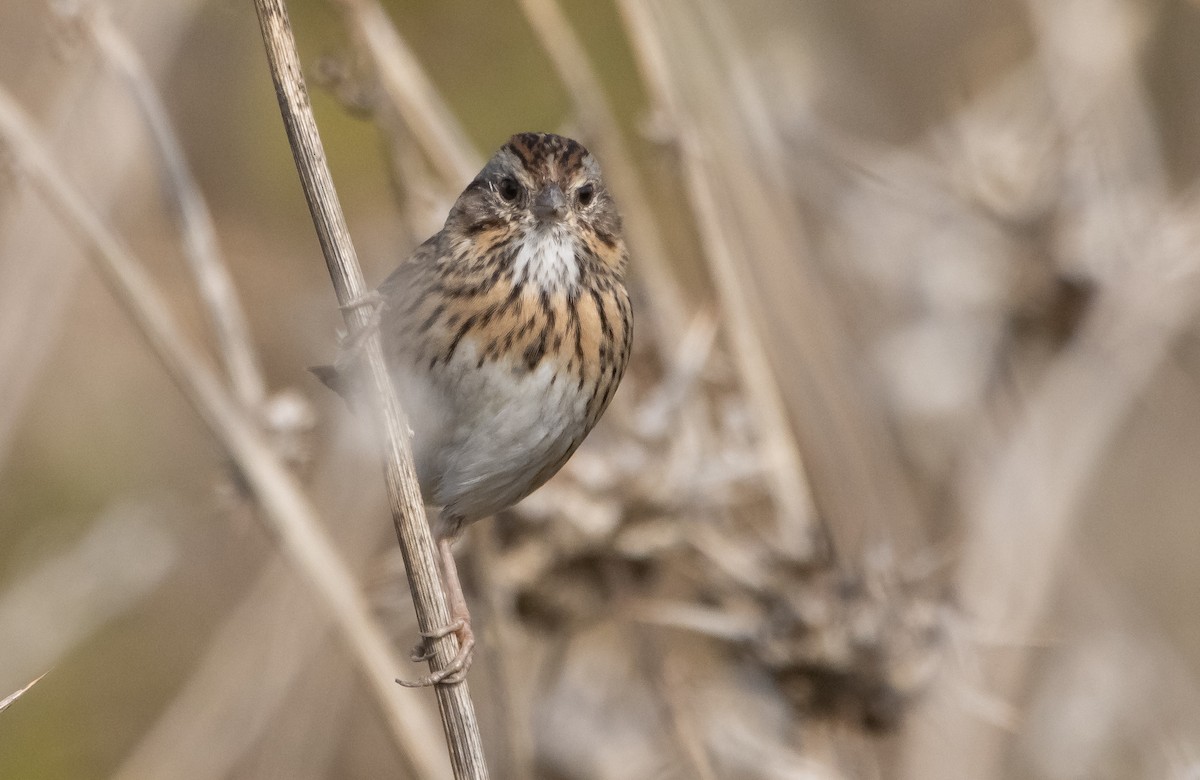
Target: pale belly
{"x": 486, "y": 436}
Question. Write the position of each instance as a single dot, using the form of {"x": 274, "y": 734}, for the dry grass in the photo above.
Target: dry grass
{"x": 900, "y": 483}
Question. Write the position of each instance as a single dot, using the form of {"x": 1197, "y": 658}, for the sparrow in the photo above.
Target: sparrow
{"x": 506, "y": 335}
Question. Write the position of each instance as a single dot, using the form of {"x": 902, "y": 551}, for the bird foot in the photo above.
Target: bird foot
{"x": 352, "y": 343}
{"x": 453, "y": 672}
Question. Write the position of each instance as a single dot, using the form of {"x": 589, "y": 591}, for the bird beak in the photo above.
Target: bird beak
{"x": 550, "y": 203}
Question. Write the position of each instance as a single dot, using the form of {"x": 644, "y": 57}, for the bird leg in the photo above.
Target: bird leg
{"x": 459, "y": 625}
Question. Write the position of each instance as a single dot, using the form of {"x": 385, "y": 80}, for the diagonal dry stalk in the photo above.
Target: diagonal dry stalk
{"x": 38, "y": 266}
{"x": 410, "y": 91}
{"x": 268, "y": 644}
{"x": 225, "y": 313}
{"x": 408, "y": 511}
{"x": 289, "y": 515}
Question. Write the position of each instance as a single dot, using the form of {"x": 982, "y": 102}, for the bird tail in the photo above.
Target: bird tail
{"x": 332, "y": 378}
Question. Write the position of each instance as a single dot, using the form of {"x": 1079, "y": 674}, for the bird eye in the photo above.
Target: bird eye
{"x": 585, "y": 194}
{"x": 509, "y": 189}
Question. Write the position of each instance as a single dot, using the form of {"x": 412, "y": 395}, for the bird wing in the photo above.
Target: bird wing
{"x": 399, "y": 294}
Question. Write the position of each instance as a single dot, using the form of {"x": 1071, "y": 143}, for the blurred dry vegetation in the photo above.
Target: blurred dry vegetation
{"x": 902, "y": 483}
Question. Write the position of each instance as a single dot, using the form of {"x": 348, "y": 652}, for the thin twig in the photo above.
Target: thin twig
{"x": 288, "y": 513}
{"x": 225, "y": 313}
{"x": 408, "y": 510}
{"x": 406, "y": 87}
{"x": 7, "y": 701}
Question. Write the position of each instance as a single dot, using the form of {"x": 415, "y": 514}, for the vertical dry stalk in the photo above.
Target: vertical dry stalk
{"x": 408, "y": 512}
{"x": 288, "y": 513}
{"x": 785, "y": 466}
{"x": 779, "y": 303}
{"x": 672, "y": 688}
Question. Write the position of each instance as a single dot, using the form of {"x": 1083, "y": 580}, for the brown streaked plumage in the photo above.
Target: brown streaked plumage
{"x": 507, "y": 334}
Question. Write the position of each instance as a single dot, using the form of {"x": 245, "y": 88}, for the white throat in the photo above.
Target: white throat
{"x": 547, "y": 258}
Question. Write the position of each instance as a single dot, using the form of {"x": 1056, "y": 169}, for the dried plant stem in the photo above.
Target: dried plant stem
{"x": 124, "y": 556}
{"x": 288, "y": 513}
{"x": 1113, "y": 161}
{"x": 241, "y": 683}
{"x": 38, "y": 269}
{"x": 785, "y": 467}
{"x": 225, "y": 314}
{"x": 7, "y": 701}
{"x": 266, "y": 646}
{"x": 408, "y": 511}
{"x": 1026, "y": 496}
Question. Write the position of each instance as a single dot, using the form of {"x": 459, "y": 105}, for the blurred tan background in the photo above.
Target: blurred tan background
{"x": 916, "y": 399}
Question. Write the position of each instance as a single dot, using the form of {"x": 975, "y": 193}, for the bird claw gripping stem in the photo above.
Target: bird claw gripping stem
{"x": 352, "y": 342}
{"x": 454, "y": 672}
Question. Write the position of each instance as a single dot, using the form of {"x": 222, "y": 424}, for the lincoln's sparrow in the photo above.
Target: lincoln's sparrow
{"x": 506, "y": 335}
